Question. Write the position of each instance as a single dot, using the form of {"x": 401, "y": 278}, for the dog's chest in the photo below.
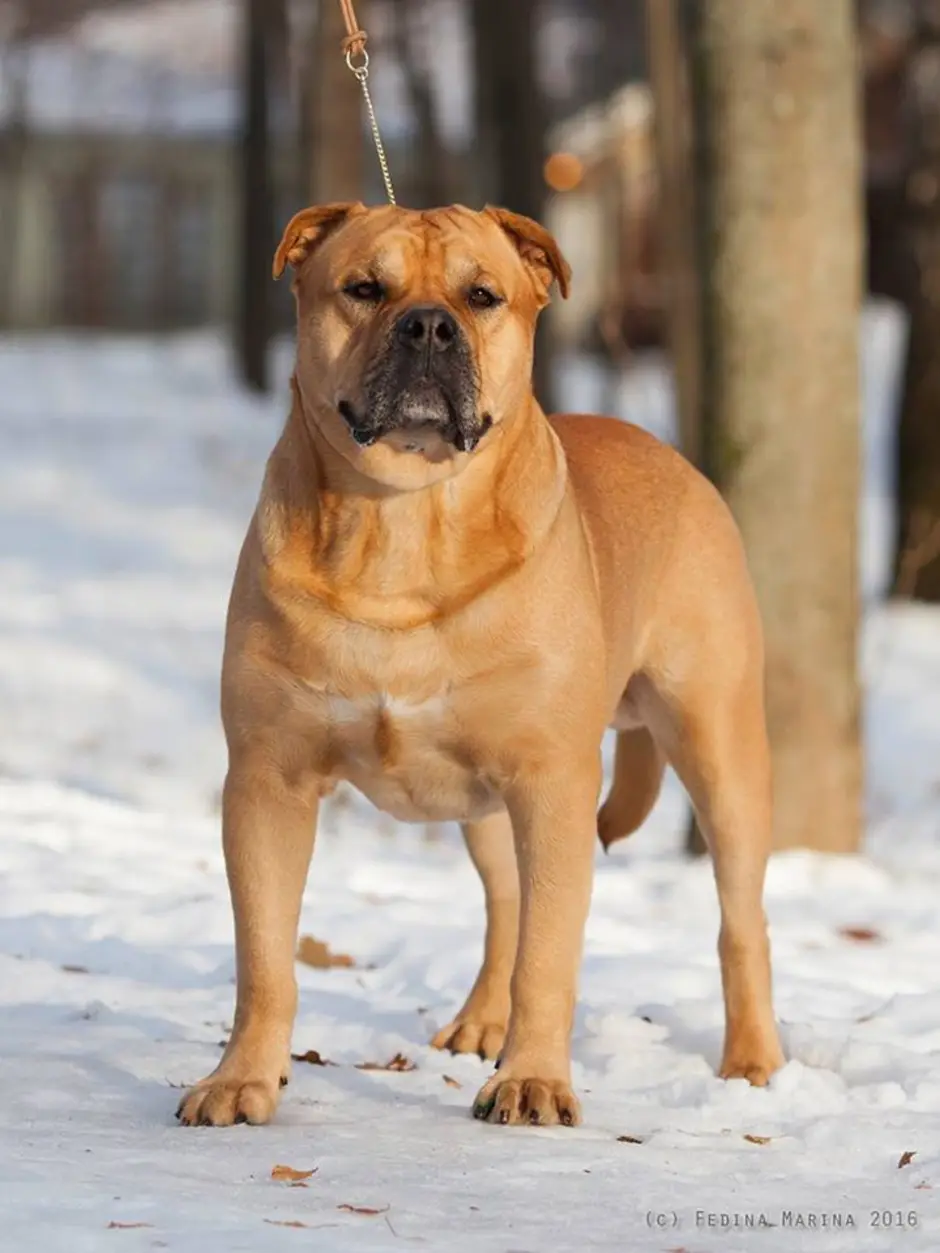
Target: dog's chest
{"x": 406, "y": 755}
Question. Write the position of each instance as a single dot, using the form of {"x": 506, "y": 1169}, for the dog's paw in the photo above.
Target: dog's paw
{"x": 757, "y": 1066}
{"x": 534, "y": 1102}
{"x": 471, "y": 1034}
{"x": 222, "y": 1102}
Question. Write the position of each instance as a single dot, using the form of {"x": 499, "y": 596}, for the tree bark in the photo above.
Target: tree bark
{"x": 780, "y": 245}
{"x": 511, "y": 115}
{"x": 917, "y": 564}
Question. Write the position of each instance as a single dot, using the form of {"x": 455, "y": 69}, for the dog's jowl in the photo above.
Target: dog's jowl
{"x": 445, "y": 598}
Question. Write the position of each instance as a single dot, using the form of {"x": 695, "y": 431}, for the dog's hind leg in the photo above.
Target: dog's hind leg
{"x": 638, "y": 776}
{"x": 715, "y": 736}
{"x": 480, "y": 1027}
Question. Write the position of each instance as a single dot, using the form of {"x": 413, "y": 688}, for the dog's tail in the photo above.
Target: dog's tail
{"x": 638, "y": 776}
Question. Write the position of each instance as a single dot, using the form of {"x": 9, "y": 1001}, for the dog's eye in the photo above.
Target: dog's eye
{"x": 482, "y": 298}
{"x": 365, "y": 289}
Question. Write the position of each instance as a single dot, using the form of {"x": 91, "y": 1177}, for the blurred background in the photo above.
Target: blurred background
{"x": 750, "y": 200}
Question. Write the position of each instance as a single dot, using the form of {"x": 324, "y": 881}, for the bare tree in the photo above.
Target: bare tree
{"x": 253, "y": 329}
{"x": 510, "y": 117}
{"x": 780, "y": 184}
{"x": 333, "y": 110}
{"x": 917, "y": 568}
{"x": 430, "y": 181}
{"x": 14, "y": 140}
{"x": 676, "y": 210}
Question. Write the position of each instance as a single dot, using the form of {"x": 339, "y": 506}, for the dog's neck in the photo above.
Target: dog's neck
{"x": 402, "y": 559}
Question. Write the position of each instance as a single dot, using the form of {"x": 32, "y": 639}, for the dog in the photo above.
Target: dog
{"x": 444, "y": 599}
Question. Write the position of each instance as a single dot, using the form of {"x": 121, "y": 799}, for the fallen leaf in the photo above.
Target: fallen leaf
{"x": 452, "y": 1082}
{"x": 923, "y": 1187}
{"x": 126, "y": 1226}
{"x": 861, "y": 935}
{"x": 629, "y": 1140}
{"x": 312, "y": 1057}
{"x": 284, "y": 1222}
{"x": 288, "y": 1172}
{"x": 316, "y": 953}
{"x": 757, "y": 1139}
{"x": 74, "y": 970}
{"x": 398, "y": 1062}
{"x": 363, "y": 1209}
{"x": 906, "y": 1158}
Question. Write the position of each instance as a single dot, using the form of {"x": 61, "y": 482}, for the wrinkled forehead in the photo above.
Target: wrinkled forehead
{"x": 403, "y": 247}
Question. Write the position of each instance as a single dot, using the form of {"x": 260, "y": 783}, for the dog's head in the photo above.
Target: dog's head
{"x": 415, "y": 329}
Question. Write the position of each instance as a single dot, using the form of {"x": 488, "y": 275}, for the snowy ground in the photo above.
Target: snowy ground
{"x": 127, "y": 471}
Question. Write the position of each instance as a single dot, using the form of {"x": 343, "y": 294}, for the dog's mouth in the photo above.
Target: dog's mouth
{"x": 421, "y": 408}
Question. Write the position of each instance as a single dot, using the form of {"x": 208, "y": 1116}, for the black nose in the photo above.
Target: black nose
{"x": 427, "y": 327}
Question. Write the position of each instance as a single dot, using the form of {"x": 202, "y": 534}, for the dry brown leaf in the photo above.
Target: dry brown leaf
{"x": 74, "y": 970}
{"x": 906, "y": 1158}
{"x": 316, "y": 953}
{"x": 861, "y": 935}
{"x": 629, "y": 1140}
{"x": 364, "y": 1209}
{"x": 289, "y": 1173}
{"x": 312, "y": 1057}
{"x": 452, "y": 1082}
{"x": 757, "y": 1139}
{"x": 398, "y": 1062}
{"x": 126, "y": 1226}
{"x": 285, "y": 1222}
{"x": 923, "y": 1187}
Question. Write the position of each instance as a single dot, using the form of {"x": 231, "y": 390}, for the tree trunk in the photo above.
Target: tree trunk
{"x": 511, "y": 115}
{"x": 254, "y": 312}
{"x": 779, "y": 199}
{"x": 430, "y": 184}
{"x": 333, "y": 110}
{"x": 675, "y": 192}
{"x": 917, "y": 566}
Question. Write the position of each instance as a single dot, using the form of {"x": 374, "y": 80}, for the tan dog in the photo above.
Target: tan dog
{"x": 445, "y": 598}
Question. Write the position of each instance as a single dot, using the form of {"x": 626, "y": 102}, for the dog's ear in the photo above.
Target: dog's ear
{"x": 537, "y": 247}
{"x": 307, "y": 229}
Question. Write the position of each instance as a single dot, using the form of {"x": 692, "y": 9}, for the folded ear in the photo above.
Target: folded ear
{"x": 537, "y": 247}
{"x": 307, "y": 229}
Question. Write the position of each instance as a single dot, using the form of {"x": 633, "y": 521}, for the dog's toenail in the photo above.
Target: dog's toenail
{"x": 240, "y": 1118}
{"x": 504, "y": 1115}
{"x": 535, "y": 1117}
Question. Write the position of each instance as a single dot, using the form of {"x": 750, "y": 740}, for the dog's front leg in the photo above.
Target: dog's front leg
{"x": 554, "y": 823}
{"x": 267, "y": 833}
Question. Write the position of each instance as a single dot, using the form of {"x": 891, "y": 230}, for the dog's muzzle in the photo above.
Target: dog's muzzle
{"x": 424, "y": 379}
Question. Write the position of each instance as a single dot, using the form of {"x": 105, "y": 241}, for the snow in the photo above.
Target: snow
{"x": 127, "y": 471}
